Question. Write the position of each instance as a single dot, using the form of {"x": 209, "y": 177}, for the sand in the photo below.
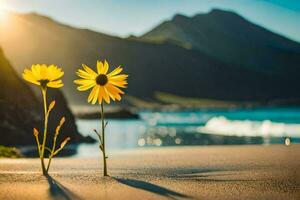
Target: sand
{"x": 231, "y": 172}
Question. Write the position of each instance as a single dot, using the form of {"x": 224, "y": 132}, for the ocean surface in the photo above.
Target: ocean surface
{"x": 197, "y": 127}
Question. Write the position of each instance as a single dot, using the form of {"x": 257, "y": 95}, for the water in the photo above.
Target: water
{"x": 240, "y": 126}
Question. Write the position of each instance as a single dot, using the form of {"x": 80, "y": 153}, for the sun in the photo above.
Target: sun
{"x": 2, "y": 15}
{"x": 3, "y": 12}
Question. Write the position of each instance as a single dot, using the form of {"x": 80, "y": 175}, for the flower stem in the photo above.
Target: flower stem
{"x": 49, "y": 162}
{"x": 103, "y": 142}
{"x": 38, "y": 145}
{"x": 51, "y": 155}
{"x": 44, "y": 92}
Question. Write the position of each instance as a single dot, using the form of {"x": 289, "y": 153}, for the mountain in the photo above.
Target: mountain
{"x": 153, "y": 67}
{"x": 21, "y": 111}
{"x": 228, "y": 37}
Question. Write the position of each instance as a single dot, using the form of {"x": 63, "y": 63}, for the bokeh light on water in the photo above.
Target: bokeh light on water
{"x": 260, "y": 126}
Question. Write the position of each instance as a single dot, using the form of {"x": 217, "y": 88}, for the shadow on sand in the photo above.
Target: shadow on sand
{"x": 58, "y": 191}
{"x": 151, "y": 188}
{"x": 213, "y": 175}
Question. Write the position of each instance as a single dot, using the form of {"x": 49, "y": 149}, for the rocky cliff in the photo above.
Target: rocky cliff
{"x": 21, "y": 110}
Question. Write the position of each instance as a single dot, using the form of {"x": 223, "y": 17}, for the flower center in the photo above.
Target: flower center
{"x": 44, "y": 82}
{"x": 101, "y": 79}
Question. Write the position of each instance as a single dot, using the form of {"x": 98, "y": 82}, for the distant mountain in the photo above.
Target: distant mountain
{"x": 164, "y": 67}
{"x": 232, "y": 39}
{"x": 21, "y": 111}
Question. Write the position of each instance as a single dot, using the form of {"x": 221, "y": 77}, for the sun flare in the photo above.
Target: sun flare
{"x": 3, "y": 13}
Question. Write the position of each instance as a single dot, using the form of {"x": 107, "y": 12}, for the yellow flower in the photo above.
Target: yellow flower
{"x": 105, "y": 85}
{"x": 45, "y": 76}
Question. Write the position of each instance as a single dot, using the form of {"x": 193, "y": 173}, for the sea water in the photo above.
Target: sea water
{"x": 195, "y": 127}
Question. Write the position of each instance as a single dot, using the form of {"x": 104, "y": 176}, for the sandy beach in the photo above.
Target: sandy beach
{"x": 231, "y": 172}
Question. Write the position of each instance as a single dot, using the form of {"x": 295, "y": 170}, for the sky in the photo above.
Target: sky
{"x": 136, "y": 17}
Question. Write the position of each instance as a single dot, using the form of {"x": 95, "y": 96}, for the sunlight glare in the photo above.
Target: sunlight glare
{"x": 3, "y": 13}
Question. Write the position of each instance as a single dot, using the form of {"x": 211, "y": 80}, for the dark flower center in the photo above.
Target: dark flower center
{"x": 44, "y": 82}
{"x": 101, "y": 79}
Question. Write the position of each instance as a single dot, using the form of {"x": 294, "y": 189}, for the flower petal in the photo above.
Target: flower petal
{"x": 113, "y": 89}
{"x": 102, "y": 67}
{"x": 92, "y": 94}
{"x": 120, "y": 77}
{"x": 121, "y": 84}
{"x": 96, "y": 95}
{"x": 99, "y": 66}
{"x": 36, "y": 70}
{"x": 29, "y": 79}
{"x": 106, "y": 96}
{"x": 116, "y": 71}
{"x": 105, "y": 67}
{"x": 85, "y": 87}
{"x": 89, "y": 70}
{"x": 55, "y": 84}
{"x": 84, "y": 81}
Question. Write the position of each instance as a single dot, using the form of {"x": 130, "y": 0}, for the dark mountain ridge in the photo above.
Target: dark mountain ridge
{"x": 164, "y": 67}
{"x": 231, "y": 38}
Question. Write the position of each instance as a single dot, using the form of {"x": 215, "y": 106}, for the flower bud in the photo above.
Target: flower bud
{"x": 35, "y": 132}
{"x": 64, "y": 142}
{"x": 51, "y": 106}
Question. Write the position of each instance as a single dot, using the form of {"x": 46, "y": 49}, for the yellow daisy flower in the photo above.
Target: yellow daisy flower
{"x": 105, "y": 85}
{"x": 44, "y": 76}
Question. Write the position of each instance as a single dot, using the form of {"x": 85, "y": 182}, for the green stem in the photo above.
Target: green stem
{"x": 51, "y": 155}
{"x": 49, "y": 162}
{"x": 38, "y": 145}
{"x": 103, "y": 142}
{"x": 44, "y": 92}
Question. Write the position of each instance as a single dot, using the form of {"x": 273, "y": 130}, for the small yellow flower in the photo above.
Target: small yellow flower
{"x": 105, "y": 85}
{"x": 44, "y": 76}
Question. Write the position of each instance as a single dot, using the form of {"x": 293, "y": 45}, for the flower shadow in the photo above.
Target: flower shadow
{"x": 151, "y": 188}
{"x": 58, "y": 191}
{"x": 213, "y": 175}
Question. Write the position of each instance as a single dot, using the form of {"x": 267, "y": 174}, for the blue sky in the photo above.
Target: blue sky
{"x": 125, "y": 17}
